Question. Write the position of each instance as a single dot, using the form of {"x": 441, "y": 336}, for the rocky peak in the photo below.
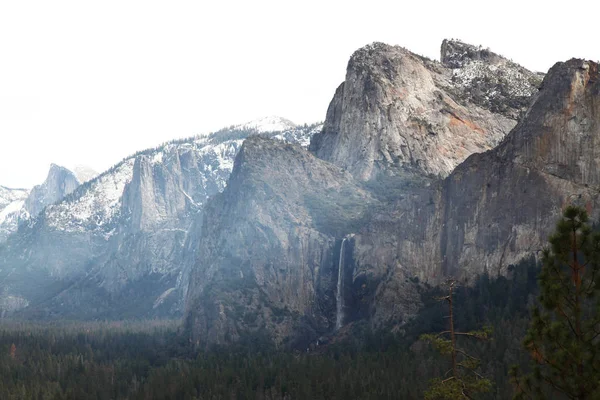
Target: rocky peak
{"x": 457, "y": 54}
{"x": 398, "y": 112}
{"x": 561, "y": 130}
{"x": 59, "y": 183}
{"x": 496, "y": 207}
{"x": 27, "y": 204}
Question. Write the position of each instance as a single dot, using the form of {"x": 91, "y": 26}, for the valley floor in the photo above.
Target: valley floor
{"x": 154, "y": 359}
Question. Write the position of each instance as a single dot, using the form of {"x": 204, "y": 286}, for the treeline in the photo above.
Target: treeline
{"x": 154, "y": 360}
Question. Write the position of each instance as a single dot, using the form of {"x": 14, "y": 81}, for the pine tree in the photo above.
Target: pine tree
{"x": 563, "y": 336}
{"x": 462, "y": 381}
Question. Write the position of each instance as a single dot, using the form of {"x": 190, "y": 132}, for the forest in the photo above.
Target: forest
{"x": 154, "y": 359}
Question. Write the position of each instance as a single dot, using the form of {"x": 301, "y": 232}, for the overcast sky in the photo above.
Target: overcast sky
{"x": 85, "y": 82}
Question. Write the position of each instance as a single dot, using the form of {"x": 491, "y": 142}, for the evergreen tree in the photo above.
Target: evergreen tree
{"x": 563, "y": 337}
{"x": 462, "y": 381}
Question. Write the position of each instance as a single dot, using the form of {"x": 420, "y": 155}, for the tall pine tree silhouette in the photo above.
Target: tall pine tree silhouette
{"x": 564, "y": 335}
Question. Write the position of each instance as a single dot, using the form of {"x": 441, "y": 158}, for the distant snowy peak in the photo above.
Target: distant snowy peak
{"x": 11, "y": 202}
{"x": 59, "y": 183}
{"x": 268, "y": 124}
{"x": 8, "y": 195}
{"x": 26, "y": 204}
{"x": 98, "y": 205}
{"x": 83, "y": 173}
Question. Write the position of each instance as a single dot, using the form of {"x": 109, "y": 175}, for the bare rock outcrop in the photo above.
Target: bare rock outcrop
{"x": 398, "y": 112}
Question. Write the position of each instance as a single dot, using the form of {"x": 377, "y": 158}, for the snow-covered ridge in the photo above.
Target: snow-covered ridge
{"x": 8, "y": 195}
{"x": 268, "y": 124}
{"x": 11, "y": 204}
{"x": 488, "y": 79}
{"x": 515, "y": 80}
{"x": 84, "y": 173}
{"x": 27, "y": 203}
{"x": 96, "y": 205}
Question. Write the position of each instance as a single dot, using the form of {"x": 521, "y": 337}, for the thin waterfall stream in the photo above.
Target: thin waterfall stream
{"x": 339, "y": 297}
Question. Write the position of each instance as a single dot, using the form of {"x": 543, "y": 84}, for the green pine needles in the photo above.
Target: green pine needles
{"x": 563, "y": 337}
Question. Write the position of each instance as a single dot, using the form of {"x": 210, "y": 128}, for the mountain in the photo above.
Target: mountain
{"x": 497, "y": 207}
{"x": 116, "y": 246}
{"x": 84, "y": 173}
{"x": 399, "y": 113}
{"x": 268, "y": 124}
{"x": 266, "y": 257}
{"x": 59, "y": 183}
{"x": 11, "y": 201}
{"x": 356, "y": 229}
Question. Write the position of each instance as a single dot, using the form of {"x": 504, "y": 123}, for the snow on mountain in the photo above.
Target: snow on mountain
{"x": 11, "y": 208}
{"x": 25, "y": 204}
{"x": 129, "y": 228}
{"x": 84, "y": 173}
{"x": 11, "y": 202}
{"x": 268, "y": 124}
{"x": 488, "y": 79}
{"x": 97, "y": 203}
{"x": 8, "y": 195}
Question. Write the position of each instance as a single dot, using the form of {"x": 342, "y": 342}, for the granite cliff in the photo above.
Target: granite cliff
{"x": 398, "y": 112}
{"x": 279, "y": 270}
{"x": 267, "y": 258}
{"x": 22, "y": 205}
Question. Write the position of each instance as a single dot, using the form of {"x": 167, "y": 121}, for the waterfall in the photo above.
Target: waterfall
{"x": 339, "y": 297}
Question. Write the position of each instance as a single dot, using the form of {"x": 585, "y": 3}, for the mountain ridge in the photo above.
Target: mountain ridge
{"x": 123, "y": 231}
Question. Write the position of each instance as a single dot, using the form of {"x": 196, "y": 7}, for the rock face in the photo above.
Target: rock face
{"x": 270, "y": 262}
{"x": 497, "y": 207}
{"x": 398, "y": 112}
{"x": 115, "y": 247}
{"x": 28, "y": 204}
{"x": 59, "y": 183}
{"x": 267, "y": 258}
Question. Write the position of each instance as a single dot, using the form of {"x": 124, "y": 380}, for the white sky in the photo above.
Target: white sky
{"x": 90, "y": 82}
